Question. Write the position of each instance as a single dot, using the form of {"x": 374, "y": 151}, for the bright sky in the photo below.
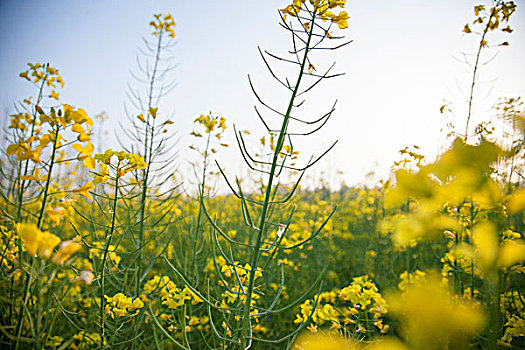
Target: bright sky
{"x": 405, "y": 59}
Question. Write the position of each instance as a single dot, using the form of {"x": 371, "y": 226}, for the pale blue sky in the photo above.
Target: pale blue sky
{"x": 399, "y": 68}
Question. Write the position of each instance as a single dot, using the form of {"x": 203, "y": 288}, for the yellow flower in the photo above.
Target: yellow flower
{"x": 30, "y": 235}
{"x": 431, "y": 318}
{"x": 341, "y": 20}
{"x": 323, "y": 341}
{"x": 511, "y": 253}
{"x": 163, "y": 23}
{"x": 86, "y": 276}
{"x": 516, "y": 201}
{"x": 46, "y": 244}
{"x": 84, "y": 152}
{"x": 103, "y": 175}
{"x": 25, "y": 75}
{"x": 79, "y": 116}
{"x": 53, "y": 94}
{"x": 67, "y": 249}
{"x": 35, "y": 177}
{"x": 120, "y": 305}
{"x": 83, "y": 136}
{"x": 84, "y": 190}
{"x": 105, "y": 157}
{"x": 153, "y": 111}
{"x": 35, "y": 240}
{"x": 55, "y": 214}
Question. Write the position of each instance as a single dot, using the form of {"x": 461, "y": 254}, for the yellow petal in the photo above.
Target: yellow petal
{"x": 30, "y": 235}
{"x": 67, "y": 249}
{"x": 511, "y": 253}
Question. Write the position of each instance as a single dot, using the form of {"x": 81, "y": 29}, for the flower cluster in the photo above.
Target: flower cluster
{"x": 491, "y": 19}
{"x": 235, "y": 279}
{"x": 407, "y": 279}
{"x": 215, "y": 126}
{"x": 459, "y": 174}
{"x": 126, "y": 162}
{"x": 171, "y": 296}
{"x": 163, "y": 23}
{"x": 357, "y": 305}
{"x": 67, "y": 117}
{"x": 120, "y": 305}
{"x": 8, "y": 246}
{"x": 322, "y": 8}
{"x": 44, "y": 72}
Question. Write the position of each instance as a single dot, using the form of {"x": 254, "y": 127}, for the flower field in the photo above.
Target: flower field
{"x": 111, "y": 250}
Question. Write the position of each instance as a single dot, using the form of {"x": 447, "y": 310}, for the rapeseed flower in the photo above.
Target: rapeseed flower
{"x": 67, "y": 248}
{"x": 37, "y": 241}
{"x": 431, "y": 318}
{"x": 120, "y": 305}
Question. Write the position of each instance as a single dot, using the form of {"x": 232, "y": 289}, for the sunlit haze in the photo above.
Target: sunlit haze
{"x": 405, "y": 59}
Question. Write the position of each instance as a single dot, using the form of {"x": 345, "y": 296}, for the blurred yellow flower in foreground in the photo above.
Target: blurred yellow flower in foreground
{"x": 44, "y": 242}
{"x": 334, "y": 341}
{"x": 432, "y": 319}
{"x": 35, "y": 240}
{"x": 67, "y": 249}
{"x": 322, "y": 341}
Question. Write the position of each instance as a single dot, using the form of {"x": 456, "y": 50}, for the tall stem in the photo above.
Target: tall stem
{"x": 474, "y": 75}
{"x": 23, "y": 182}
{"x": 104, "y": 259}
{"x": 266, "y": 204}
{"x": 48, "y": 180}
{"x": 199, "y": 215}
{"x": 148, "y": 154}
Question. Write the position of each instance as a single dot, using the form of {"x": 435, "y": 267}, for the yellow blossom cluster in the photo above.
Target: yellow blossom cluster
{"x": 120, "y": 305}
{"x": 171, "y": 296}
{"x": 515, "y": 327}
{"x": 35, "y": 138}
{"x": 67, "y": 117}
{"x": 163, "y": 23}
{"x": 215, "y": 126}
{"x": 44, "y": 72}
{"x": 235, "y": 280}
{"x": 347, "y": 307}
{"x": 126, "y": 162}
{"x": 459, "y": 174}
{"x": 238, "y": 270}
{"x": 8, "y": 246}
{"x": 322, "y": 8}
{"x": 210, "y": 123}
{"x": 491, "y": 19}
{"x": 84, "y": 340}
{"x": 407, "y": 279}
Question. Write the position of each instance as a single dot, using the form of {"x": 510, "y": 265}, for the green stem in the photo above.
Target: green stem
{"x": 148, "y": 153}
{"x": 476, "y": 65}
{"x": 48, "y": 180}
{"x": 32, "y": 133}
{"x": 199, "y": 215}
{"x": 104, "y": 259}
{"x": 266, "y": 204}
